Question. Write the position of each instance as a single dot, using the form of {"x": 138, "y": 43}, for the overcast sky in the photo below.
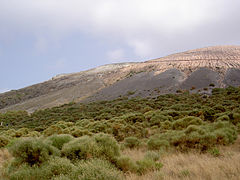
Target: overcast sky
{"x": 42, "y": 38}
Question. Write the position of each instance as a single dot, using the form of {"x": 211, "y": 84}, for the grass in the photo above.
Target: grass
{"x": 193, "y": 165}
{"x": 178, "y": 165}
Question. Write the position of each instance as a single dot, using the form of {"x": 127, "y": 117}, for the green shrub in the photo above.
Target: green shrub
{"x": 21, "y": 132}
{"x": 125, "y": 164}
{"x": 33, "y": 134}
{"x": 186, "y": 121}
{"x": 54, "y": 167}
{"x": 25, "y": 171}
{"x": 98, "y": 146}
{"x": 238, "y": 127}
{"x": 80, "y": 132}
{"x": 219, "y": 108}
{"x": 53, "y": 129}
{"x": 155, "y": 143}
{"x": 32, "y": 151}
{"x": 146, "y": 165}
{"x": 166, "y": 125}
{"x": 223, "y": 118}
{"x": 96, "y": 169}
{"x": 3, "y": 141}
{"x": 80, "y": 148}
{"x": 58, "y": 140}
{"x": 202, "y": 137}
{"x": 214, "y": 152}
{"x": 108, "y": 147}
{"x": 208, "y": 114}
{"x": 61, "y": 177}
{"x": 236, "y": 118}
{"x": 152, "y": 155}
{"x": 131, "y": 142}
{"x": 133, "y": 117}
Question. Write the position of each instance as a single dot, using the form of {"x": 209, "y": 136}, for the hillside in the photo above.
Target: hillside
{"x": 196, "y": 70}
{"x": 172, "y": 136}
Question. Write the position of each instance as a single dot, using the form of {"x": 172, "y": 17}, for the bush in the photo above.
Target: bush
{"x": 131, "y": 142}
{"x": 202, "y": 137}
{"x": 55, "y": 167}
{"x": 80, "y": 148}
{"x": 58, "y": 166}
{"x": 96, "y": 169}
{"x": 186, "y": 121}
{"x": 80, "y": 132}
{"x": 3, "y": 141}
{"x": 53, "y": 129}
{"x": 166, "y": 125}
{"x": 155, "y": 143}
{"x": 236, "y": 118}
{"x": 59, "y": 140}
{"x": 25, "y": 171}
{"x": 125, "y": 164}
{"x": 98, "y": 146}
{"x": 146, "y": 165}
{"x": 21, "y": 132}
{"x": 108, "y": 147}
{"x": 214, "y": 152}
{"x": 223, "y": 118}
{"x": 32, "y": 151}
{"x": 133, "y": 117}
{"x": 152, "y": 155}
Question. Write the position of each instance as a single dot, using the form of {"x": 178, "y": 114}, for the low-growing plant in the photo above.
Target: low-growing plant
{"x": 96, "y": 169}
{"x": 152, "y": 155}
{"x": 54, "y": 167}
{"x": 223, "y": 118}
{"x": 86, "y": 147}
{"x": 59, "y": 140}
{"x": 3, "y": 141}
{"x": 155, "y": 143}
{"x": 146, "y": 165}
{"x": 80, "y": 148}
{"x": 131, "y": 142}
{"x": 186, "y": 121}
{"x": 53, "y": 129}
{"x": 125, "y": 164}
{"x": 214, "y": 152}
{"x": 32, "y": 151}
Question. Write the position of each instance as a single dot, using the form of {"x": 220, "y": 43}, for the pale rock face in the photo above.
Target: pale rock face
{"x": 194, "y": 69}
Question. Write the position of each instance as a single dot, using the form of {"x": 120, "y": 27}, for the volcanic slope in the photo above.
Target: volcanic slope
{"x": 197, "y": 70}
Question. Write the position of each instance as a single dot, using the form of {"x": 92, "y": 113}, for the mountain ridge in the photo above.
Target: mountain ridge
{"x": 193, "y": 69}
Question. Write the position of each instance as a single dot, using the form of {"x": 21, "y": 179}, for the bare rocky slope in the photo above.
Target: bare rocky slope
{"x": 196, "y": 70}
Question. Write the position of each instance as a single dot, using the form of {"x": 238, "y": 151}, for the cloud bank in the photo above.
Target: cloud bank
{"x": 148, "y": 27}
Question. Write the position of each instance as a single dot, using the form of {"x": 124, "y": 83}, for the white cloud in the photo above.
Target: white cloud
{"x": 115, "y": 55}
{"x": 4, "y": 90}
{"x": 142, "y": 48}
{"x": 140, "y": 24}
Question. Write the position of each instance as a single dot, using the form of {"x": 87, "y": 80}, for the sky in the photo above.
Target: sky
{"x": 42, "y": 38}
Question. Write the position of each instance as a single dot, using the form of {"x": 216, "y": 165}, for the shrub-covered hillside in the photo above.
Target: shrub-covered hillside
{"x": 85, "y": 141}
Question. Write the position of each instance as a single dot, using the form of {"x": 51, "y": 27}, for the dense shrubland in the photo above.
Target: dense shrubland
{"x": 85, "y": 141}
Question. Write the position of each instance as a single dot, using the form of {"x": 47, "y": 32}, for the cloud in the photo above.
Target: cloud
{"x": 4, "y": 90}
{"x": 147, "y": 26}
{"x": 115, "y": 55}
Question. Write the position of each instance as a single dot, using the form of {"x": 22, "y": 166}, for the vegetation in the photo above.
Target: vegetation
{"x": 88, "y": 141}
